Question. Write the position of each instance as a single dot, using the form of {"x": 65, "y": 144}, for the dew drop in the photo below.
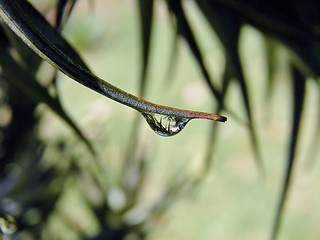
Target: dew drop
{"x": 165, "y": 126}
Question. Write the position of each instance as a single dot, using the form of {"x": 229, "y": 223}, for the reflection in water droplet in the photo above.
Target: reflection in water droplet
{"x": 165, "y": 126}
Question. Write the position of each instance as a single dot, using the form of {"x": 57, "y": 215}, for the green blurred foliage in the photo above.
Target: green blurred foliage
{"x": 258, "y": 63}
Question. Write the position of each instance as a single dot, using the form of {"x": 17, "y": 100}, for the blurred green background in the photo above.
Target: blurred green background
{"x": 231, "y": 201}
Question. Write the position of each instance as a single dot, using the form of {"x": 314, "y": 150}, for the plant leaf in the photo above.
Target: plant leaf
{"x": 279, "y": 20}
{"x": 30, "y": 87}
{"x": 146, "y": 14}
{"x": 299, "y": 85}
{"x": 27, "y": 23}
{"x": 285, "y": 23}
{"x": 309, "y": 56}
{"x": 208, "y": 157}
{"x": 271, "y": 62}
{"x": 184, "y": 30}
{"x": 64, "y": 9}
{"x": 29, "y": 59}
{"x": 227, "y": 26}
{"x": 314, "y": 146}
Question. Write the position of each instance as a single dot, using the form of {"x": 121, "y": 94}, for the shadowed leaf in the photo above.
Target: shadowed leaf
{"x": 271, "y": 62}
{"x": 184, "y": 30}
{"x": 29, "y": 86}
{"x": 272, "y": 17}
{"x": 308, "y": 52}
{"x": 299, "y": 85}
{"x": 228, "y": 27}
{"x": 313, "y": 152}
{"x": 27, "y": 23}
{"x": 64, "y": 9}
{"x": 146, "y": 14}
{"x": 214, "y": 128}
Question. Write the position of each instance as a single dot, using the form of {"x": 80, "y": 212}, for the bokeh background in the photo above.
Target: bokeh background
{"x": 228, "y": 200}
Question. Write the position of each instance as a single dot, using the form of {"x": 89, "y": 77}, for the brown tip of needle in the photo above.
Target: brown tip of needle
{"x": 220, "y": 118}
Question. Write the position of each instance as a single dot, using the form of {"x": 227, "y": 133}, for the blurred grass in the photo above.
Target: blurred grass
{"x": 232, "y": 202}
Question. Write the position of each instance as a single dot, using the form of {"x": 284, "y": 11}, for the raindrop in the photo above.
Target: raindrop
{"x": 165, "y": 126}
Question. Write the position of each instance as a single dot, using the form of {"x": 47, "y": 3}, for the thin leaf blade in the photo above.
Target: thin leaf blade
{"x": 299, "y": 85}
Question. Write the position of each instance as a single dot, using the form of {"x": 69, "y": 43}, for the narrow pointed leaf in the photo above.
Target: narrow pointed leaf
{"x": 29, "y": 59}
{"x": 309, "y": 54}
{"x": 271, "y": 19}
{"x": 146, "y": 19}
{"x": 314, "y": 146}
{"x": 37, "y": 33}
{"x": 271, "y": 61}
{"x": 214, "y": 128}
{"x": 228, "y": 28}
{"x": 64, "y": 9}
{"x": 29, "y": 86}
{"x": 146, "y": 15}
{"x": 27, "y": 23}
{"x": 299, "y": 85}
{"x": 283, "y": 23}
{"x": 185, "y": 30}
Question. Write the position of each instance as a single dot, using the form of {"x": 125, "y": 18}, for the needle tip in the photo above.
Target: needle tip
{"x": 221, "y": 118}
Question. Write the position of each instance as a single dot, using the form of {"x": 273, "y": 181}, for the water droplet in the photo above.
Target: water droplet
{"x": 165, "y": 126}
